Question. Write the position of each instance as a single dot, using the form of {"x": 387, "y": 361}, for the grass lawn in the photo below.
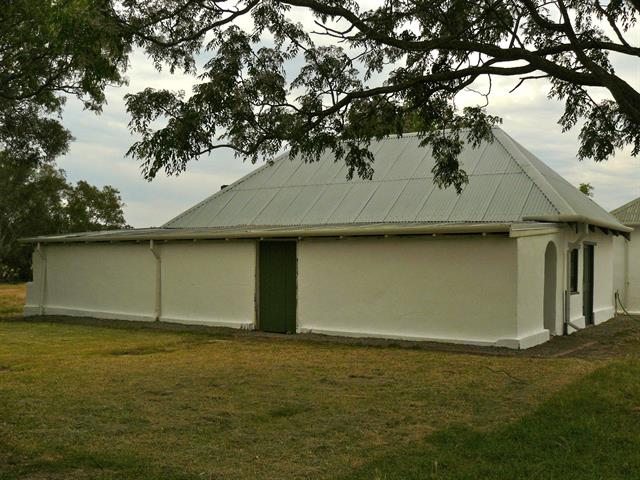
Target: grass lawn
{"x": 12, "y": 297}
{"x": 82, "y": 401}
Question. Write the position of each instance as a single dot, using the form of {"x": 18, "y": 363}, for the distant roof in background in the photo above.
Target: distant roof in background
{"x": 507, "y": 184}
{"x": 629, "y": 213}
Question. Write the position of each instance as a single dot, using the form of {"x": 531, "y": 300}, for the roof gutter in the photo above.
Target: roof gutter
{"x": 579, "y": 219}
{"x": 331, "y": 231}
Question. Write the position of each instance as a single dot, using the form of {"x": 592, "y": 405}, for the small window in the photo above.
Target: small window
{"x": 573, "y": 271}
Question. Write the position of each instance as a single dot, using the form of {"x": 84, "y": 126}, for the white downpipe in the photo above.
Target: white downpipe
{"x": 626, "y": 271}
{"x": 158, "y": 305}
{"x": 43, "y": 277}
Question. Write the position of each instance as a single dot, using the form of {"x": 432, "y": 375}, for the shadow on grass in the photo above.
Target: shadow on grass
{"x": 179, "y": 328}
{"x": 78, "y": 463}
{"x": 589, "y": 430}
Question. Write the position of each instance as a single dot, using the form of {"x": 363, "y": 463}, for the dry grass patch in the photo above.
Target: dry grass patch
{"x": 12, "y": 298}
{"x": 81, "y": 401}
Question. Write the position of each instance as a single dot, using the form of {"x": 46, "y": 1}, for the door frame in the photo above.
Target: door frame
{"x": 257, "y": 278}
{"x": 550, "y": 288}
{"x": 588, "y": 293}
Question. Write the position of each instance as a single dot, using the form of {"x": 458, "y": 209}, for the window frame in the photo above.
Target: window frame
{"x": 574, "y": 271}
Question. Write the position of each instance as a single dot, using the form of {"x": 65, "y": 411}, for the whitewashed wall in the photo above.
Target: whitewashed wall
{"x": 445, "y": 289}
{"x": 472, "y": 289}
{"x": 627, "y": 271}
{"x": 530, "y": 283}
{"x": 211, "y": 283}
{"x": 633, "y": 276}
{"x": 203, "y": 283}
{"x": 98, "y": 280}
{"x": 603, "y": 302}
{"x": 620, "y": 267}
{"x": 530, "y": 287}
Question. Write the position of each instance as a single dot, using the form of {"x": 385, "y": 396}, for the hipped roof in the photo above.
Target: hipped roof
{"x": 507, "y": 184}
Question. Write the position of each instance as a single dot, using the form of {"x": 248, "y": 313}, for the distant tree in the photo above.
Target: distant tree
{"x": 38, "y": 200}
{"x": 49, "y": 51}
{"x": 89, "y": 208}
{"x": 587, "y": 189}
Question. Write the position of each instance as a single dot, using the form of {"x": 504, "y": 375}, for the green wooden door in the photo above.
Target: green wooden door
{"x": 588, "y": 283}
{"x": 277, "y": 286}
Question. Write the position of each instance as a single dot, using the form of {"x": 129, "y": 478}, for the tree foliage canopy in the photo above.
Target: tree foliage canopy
{"x": 314, "y": 74}
{"x": 587, "y": 189}
{"x": 271, "y": 81}
{"x": 49, "y": 50}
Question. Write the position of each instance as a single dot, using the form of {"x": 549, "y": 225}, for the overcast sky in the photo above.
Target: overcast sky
{"x": 98, "y": 153}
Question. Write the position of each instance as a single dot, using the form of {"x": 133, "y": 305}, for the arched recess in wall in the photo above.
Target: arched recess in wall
{"x": 550, "y": 279}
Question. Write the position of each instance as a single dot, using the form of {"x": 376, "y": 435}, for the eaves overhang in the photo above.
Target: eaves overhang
{"x": 580, "y": 219}
{"x": 171, "y": 234}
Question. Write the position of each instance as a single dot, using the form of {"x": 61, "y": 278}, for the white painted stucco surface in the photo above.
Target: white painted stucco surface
{"x": 633, "y": 287}
{"x": 620, "y": 269}
{"x": 530, "y": 287}
{"x": 100, "y": 280}
{"x": 603, "y": 302}
{"x": 627, "y": 270}
{"x": 202, "y": 283}
{"x": 448, "y": 289}
{"x": 211, "y": 283}
{"x": 486, "y": 290}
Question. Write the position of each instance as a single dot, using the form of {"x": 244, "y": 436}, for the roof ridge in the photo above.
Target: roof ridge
{"x": 524, "y": 171}
{"x": 416, "y": 134}
{"x": 354, "y": 181}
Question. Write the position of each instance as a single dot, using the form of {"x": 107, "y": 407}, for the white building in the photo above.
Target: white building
{"x": 294, "y": 247}
{"x": 627, "y": 258}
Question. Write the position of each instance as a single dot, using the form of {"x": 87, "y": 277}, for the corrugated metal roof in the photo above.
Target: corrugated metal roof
{"x": 508, "y": 188}
{"x": 629, "y": 213}
{"x": 507, "y": 183}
